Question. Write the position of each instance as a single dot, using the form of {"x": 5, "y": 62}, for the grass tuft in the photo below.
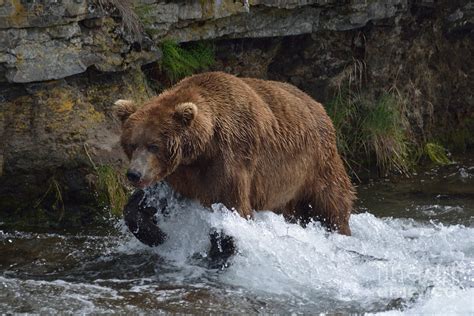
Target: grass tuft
{"x": 57, "y": 203}
{"x": 343, "y": 111}
{"x": 178, "y": 62}
{"x": 369, "y": 129}
{"x": 111, "y": 190}
{"x": 384, "y": 132}
{"x": 437, "y": 154}
{"x": 125, "y": 8}
{"x": 144, "y": 13}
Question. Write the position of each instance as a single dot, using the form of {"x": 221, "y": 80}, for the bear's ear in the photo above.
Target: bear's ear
{"x": 185, "y": 113}
{"x": 123, "y": 109}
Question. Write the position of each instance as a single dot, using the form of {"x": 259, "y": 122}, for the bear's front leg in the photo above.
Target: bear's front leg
{"x": 239, "y": 194}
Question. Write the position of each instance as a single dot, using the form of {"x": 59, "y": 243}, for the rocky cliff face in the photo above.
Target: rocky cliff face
{"x": 44, "y": 40}
{"x": 63, "y": 63}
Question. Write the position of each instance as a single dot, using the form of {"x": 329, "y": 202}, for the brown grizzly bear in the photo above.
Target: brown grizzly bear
{"x": 250, "y": 144}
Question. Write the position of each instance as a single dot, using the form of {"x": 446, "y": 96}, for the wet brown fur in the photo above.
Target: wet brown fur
{"x": 252, "y": 145}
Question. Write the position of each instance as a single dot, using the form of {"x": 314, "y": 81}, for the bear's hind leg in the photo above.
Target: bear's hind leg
{"x": 332, "y": 206}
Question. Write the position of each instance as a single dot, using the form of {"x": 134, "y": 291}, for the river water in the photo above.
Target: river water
{"x": 412, "y": 252}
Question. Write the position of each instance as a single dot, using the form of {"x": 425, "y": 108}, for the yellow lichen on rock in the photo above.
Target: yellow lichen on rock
{"x": 16, "y": 115}
{"x": 20, "y": 15}
{"x": 65, "y": 106}
{"x": 67, "y": 113}
{"x": 219, "y": 9}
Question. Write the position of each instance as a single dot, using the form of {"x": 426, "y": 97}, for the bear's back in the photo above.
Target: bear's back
{"x": 285, "y": 101}
{"x": 279, "y": 95}
{"x": 277, "y": 113}
{"x": 299, "y": 117}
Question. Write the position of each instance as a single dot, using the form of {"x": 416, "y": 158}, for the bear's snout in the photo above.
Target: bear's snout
{"x": 133, "y": 176}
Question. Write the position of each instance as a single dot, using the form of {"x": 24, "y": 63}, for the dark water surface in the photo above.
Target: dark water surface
{"x": 412, "y": 251}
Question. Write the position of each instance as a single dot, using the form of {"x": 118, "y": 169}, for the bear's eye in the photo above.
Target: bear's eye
{"x": 154, "y": 149}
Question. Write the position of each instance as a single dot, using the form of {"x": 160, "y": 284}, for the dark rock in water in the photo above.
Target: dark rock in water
{"x": 140, "y": 219}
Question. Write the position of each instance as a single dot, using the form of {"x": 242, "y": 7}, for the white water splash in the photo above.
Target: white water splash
{"x": 386, "y": 264}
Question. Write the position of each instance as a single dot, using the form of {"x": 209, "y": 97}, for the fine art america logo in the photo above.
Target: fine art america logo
{"x": 410, "y": 281}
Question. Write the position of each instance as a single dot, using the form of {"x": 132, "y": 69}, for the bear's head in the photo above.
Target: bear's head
{"x": 162, "y": 135}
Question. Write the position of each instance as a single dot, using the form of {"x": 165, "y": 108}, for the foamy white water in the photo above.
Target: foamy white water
{"x": 388, "y": 264}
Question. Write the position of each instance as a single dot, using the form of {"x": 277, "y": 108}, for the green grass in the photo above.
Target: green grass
{"x": 56, "y": 203}
{"x": 343, "y": 111}
{"x": 371, "y": 130}
{"x": 178, "y": 62}
{"x": 437, "y": 154}
{"x": 145, "y": 13}
{"x": 384, "y": 133}
{"x": 110, "y": 189}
